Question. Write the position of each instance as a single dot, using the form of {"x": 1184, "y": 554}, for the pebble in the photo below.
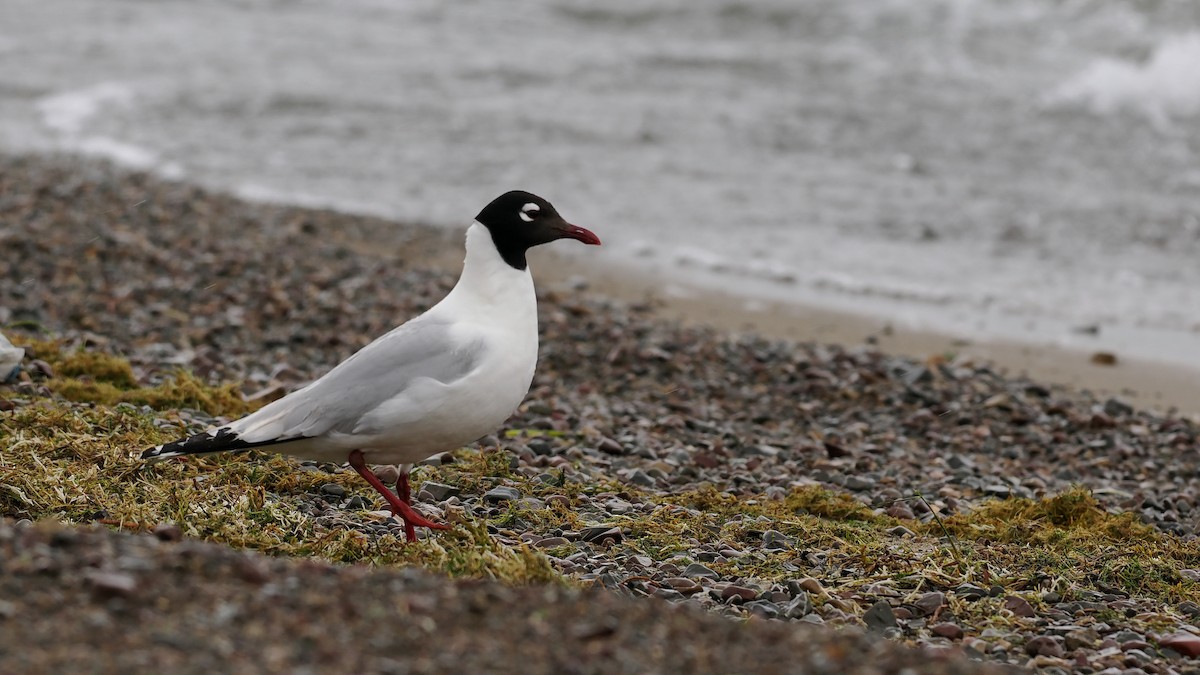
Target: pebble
{"x": 1187, "y": 644}
{"x": 1019, "y": 606}
{"x": 950, "y": 631}
{"x": 440, "y": 492}
{"x": 739, "y": 592}
{"x": 879, "y": 617}
{"x": 109, "y": 584}
{"x": 697, "y": 570}
{"x": 1043, "y": 645}
{"x": 601, "y": 533}
{"x": 501, "y": 493}
{"x": 931, "y": 602}
{"x": 333, "y": 490}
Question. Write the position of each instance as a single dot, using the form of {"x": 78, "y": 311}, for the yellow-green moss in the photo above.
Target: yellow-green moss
{"x": 104, "y": 379}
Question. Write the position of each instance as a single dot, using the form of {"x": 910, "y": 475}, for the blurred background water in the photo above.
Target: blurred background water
{"x": 1016, "y": 169}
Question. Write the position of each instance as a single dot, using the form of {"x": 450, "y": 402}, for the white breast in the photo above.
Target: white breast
{"x": 493, "y": 303}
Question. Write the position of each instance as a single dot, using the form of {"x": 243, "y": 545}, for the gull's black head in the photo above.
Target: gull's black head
{"x": 520, "y": 220}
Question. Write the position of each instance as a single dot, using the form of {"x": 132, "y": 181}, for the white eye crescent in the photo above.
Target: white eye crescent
{"x": 528, "y": 209}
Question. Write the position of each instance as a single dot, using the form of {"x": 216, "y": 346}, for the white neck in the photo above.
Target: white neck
{"x": 489, "y": 285}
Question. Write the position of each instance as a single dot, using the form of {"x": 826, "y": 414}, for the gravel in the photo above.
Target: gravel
{"x": 93, "y": 601}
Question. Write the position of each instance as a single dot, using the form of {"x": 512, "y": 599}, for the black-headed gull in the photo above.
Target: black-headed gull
{"x": 439, "y": 381}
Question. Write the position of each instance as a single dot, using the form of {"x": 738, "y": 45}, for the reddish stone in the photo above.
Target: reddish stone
{"x": 1184, "y": 643}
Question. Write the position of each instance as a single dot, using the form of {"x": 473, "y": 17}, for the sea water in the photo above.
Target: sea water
{"x": 1021, "y": 169}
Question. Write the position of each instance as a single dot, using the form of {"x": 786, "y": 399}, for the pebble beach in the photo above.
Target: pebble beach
{"x": 746, "y": 445}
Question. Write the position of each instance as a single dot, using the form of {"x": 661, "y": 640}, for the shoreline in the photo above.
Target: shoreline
{"x": 1154, "y": 385}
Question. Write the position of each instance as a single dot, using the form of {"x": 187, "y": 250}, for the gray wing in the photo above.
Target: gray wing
{"x": 420, "y": 350}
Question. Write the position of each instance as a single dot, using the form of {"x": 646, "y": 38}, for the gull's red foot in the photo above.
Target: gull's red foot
{"x": 400, "y": 507}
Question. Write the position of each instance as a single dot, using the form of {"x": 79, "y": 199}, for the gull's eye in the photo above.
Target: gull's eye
{"x": 529, "y": 212}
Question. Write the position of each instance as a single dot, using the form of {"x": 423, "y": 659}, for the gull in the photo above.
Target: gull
{"x": 435, "y": 383}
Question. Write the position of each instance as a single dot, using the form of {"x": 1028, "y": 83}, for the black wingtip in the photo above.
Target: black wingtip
{"x": 217, "y": 440}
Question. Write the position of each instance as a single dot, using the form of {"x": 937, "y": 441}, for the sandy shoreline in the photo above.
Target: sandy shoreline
{"x": 1149, "y": 384}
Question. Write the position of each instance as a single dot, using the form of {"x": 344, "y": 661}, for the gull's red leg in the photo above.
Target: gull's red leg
{"x": 405, "y": 494}
{"x": 411, "y": 518}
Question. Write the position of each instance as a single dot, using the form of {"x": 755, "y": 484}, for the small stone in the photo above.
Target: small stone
{"x": 697, "y": 570}
{"x": 387, "y": 473}
{"x": 110, "y": 584}
{"x": 1190, "y": 608}
{"x": 639, "y": 477}
{"x": 358, "y": 503}
{"x": 763, "y": 450}
{"x": 970, "y": 592}
{"x": 859, "y": 483}
{"x": 1043, "y": 645}
{"x": 562, "y": 501}
{"x": 762, "y": 608}
{"x": 440, "y": 492}
{"x": 1081, "y": 638}
{"x": 997, "y": 490}
{"x": 683, "y": 585}
{"x": 610, "y": 446}
{"x": 930, "y": 602}
{"x": 438, "y": 459}
{"x": 950, "y": 631}
{"x": 774, "y": 540}
{"x": 1184, "y": 643}
{"x": 1019, "y": 606}
{"x": 901, "y": 532}
{"x": 1117, "y": 408}
{"x": 879, "y": 617}
{"x": 901, "y": 511}
{"x": 333, "y": 490}
{"x": 600, "y": 533}
{"x": 552, "y": 542}
{"x": 501, "y": 493}
{"x": 738, "y": 592}
{"x": 799, "y": 607}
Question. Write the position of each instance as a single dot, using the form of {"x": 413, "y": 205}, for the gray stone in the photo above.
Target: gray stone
{"x": 333, "y": 490}
{"x": 799, "y": 607}
{"x": 600, "y": 533}
{"x": 879, "y": 617}
{"x": 763, "y": 608}
{"x": 697, "y": 570}
{"x": 859, "y": 483}
{"x": 439, "y": 492}
{"x": 639, "y": 477}
{"x": 970, "y": 592}
{"x": 774, "y": 540}
{"x": 358, "y": 503}
{"x": 501, "y": 493}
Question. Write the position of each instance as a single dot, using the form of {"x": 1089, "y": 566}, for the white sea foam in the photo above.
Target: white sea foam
{"x": 68, "y": 112}
{"x": 1166, "y": 85}
{"x": 125, "y": 154}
